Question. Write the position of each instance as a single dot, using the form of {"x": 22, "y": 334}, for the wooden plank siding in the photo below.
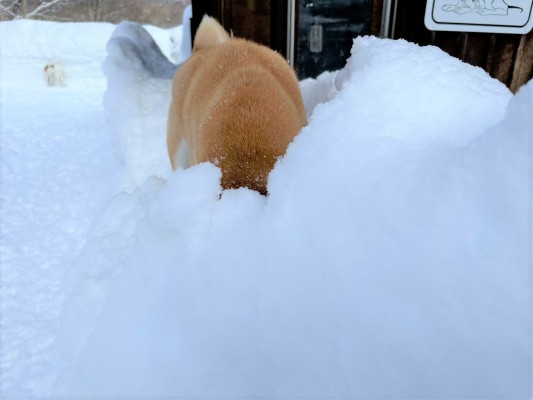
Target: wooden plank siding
{"x": 248, "y": 19}
{"x": 262, "y": 21}
{"x": 506, "y": 57}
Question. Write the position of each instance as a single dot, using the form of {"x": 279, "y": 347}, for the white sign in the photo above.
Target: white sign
{"x": 494, "y": 16}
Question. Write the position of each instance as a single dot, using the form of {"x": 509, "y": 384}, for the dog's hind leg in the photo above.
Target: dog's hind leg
{"x": 177, "y": 146}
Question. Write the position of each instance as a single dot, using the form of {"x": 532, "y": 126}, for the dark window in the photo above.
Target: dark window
{"x": 326, "y": 29}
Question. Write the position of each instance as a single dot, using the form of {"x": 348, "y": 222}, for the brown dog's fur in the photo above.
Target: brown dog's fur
{"x": 236, "y": 104}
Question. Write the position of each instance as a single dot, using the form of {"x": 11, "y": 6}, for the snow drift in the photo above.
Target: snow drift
{"x": 390, "y": 258}
{"x": 57, "y": 171}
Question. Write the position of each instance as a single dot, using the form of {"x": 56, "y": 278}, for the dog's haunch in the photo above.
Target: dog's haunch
{"x": 236, "y": 104}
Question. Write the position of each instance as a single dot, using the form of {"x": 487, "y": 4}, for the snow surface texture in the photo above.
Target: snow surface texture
{"x": 389, "y": 260}
{"x": 57, "y": 172}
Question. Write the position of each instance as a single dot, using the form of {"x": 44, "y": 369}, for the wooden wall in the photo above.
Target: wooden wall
{"x": 506, "y": 57}
{"x": 250, "y": 19}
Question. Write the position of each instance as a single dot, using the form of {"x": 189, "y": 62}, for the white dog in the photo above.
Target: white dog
{"x": 54, "y": 75}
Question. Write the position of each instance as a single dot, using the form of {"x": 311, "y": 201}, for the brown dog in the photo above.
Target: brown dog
{"x": 236, "y": 104}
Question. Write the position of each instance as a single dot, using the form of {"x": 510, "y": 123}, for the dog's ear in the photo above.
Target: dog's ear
{"x": 210, "y": 33}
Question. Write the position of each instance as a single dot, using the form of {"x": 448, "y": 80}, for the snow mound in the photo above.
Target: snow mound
{"x": 136, "y": 103}
{"x": 415, "y": 94}
{"x": 389, "y": 260}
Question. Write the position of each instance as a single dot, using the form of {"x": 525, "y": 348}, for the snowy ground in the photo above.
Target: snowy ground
{"x": 58, "y": 170}
{"x": 391, "y": 258}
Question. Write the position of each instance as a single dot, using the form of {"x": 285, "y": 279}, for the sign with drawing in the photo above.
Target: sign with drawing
{"x": 495, "y": 16}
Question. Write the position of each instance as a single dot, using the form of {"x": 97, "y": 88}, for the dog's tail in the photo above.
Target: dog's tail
{"x": 131, "y": 46}
{"x": 210, "y": 33}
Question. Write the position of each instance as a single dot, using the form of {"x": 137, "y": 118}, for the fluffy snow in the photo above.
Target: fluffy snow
{"x": 57, "y": 171}
{"x": 390, "y": 259}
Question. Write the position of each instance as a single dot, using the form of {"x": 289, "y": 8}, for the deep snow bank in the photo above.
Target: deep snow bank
{"x": 389, "y": 260}
{"x": 57, "y": 171}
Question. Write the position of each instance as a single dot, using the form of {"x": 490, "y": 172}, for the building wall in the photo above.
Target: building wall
{"x": 506, "y": 57}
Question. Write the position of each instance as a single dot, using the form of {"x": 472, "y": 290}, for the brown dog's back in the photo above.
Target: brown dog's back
{"x": 236, "y": 104}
